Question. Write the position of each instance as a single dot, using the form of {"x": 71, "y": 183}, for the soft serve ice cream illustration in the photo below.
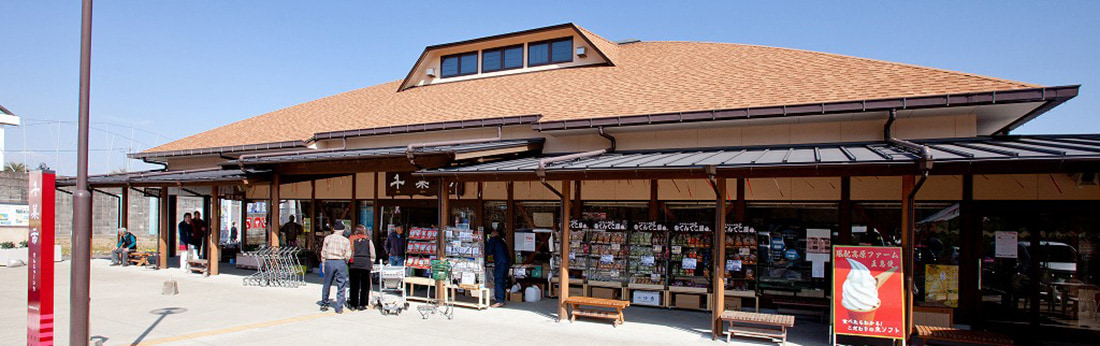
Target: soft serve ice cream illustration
{"x": 860, "y": 292}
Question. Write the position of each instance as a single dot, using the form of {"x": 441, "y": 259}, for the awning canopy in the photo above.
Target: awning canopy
{"x": 160, "y": 178}
{"x": 383, "y": 159}
{"x": 951, "y": 156}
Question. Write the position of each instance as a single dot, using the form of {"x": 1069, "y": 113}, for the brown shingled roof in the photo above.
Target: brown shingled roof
{"x": 648, "y": 77}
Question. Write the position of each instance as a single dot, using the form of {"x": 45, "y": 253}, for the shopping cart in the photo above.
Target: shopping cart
{"x": 391, "y": 297}
{"x": 279, "y": 267}
{"x": 441, "y": 270}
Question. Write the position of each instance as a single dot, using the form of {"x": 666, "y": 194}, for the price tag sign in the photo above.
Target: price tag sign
{"x": 658, "y": 248}
{"x": 607, "y": 259}
{"x": 647, "y": 261}
{"x": 733, "y": 265}
{"x": 615, "y": 247}
{"x": 688, "y": 263}
{"x": 744, "y": 251}
{"x": 655, "y": 277}
{"x": 614, "y": 273}
{"x": 572, "y": 256}
{"x": 676, "y": 249}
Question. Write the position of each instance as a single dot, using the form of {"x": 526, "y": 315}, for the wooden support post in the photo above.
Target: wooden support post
{"x": 173, "y": 219}
{"x": 844, "y": 219}
{"x": 970, "y": 238}
{"x": 354, "y": 201}
{"x": 377, "y": 234}
{"x": 563, "y": 270}
{"x": 907, "y": 244}
{"x": 163, "y": 231}
{"x": 718, "y": 264}
{"x": 479, "y": 213}
{"x": 654, "y": 209}
{"x": 314, "y": 224}
{"x": 444, "y": 215}
{"x": 739, "y": 203}
{"x": 214, "y": 236}
{"x": 510, "y": 216}
{"x": 124, "y": 207}
{"x": 244, "y": 220}
{"x": 576, "y": 206}
{"x": 273, "y": 211}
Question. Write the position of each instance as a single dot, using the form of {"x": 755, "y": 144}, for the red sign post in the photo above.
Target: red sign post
{"x": 868, "y": 295}
{"x": 40, "y": 196}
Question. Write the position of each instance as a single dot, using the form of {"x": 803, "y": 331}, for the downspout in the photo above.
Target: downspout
{"x": 410, "y": 150}
{"x": 541, "y": 170}
{"x": 163, "y": 166}
{"x": 924, "y": 165}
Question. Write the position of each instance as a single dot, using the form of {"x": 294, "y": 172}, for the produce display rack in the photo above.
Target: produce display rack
{"x": 465, "y": 252}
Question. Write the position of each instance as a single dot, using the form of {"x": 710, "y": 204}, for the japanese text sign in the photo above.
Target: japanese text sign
{"x": 868, "y": 297}
{"x": 40, "y": 197}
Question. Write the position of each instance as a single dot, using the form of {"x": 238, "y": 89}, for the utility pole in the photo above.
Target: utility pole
{"x": 79, "y": 299}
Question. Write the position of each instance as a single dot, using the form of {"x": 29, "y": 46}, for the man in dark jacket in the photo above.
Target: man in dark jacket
{"x": 198, "y": 233}
{"x": 185, "y": 242}
{"x": 395, "y": 246}
{"x": 502, "y": 260}
{"x": 362, "y": 261}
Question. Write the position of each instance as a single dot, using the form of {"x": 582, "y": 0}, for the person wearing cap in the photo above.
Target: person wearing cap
{"x": 127, "y": 243}
{"x": 335, "y": 252}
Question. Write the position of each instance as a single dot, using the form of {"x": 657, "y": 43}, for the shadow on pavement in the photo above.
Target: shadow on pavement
{"x": 163, "y": 312}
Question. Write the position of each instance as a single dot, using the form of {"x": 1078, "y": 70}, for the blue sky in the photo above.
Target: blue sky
{"x": 165, "y": 69}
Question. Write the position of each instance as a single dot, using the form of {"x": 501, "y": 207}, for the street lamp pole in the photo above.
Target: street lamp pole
{"x": 82, "y": 199}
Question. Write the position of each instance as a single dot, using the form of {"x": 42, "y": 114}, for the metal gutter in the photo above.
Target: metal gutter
{"x": 437, "y": 126}
{"x": 1054, "y": 95}
{"x": 218, "y": 150}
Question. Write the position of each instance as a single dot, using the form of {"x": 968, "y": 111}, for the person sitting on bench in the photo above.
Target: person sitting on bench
{"x": 127, "y": 243}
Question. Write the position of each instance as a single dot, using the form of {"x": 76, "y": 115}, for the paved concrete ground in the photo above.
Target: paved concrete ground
{"x": 127, "y": 308}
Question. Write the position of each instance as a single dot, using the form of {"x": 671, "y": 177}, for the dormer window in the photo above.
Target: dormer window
{"x": 550, "y": 52}
{"x": 504, "y": 58}
{"x": 458, "y": 65}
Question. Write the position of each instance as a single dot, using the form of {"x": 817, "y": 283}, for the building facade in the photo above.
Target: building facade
{"x": 711, "y": 153}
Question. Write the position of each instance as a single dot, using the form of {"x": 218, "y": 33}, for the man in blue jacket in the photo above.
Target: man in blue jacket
{"x": 502, "y": 260}
{"x": 127, "y": 243}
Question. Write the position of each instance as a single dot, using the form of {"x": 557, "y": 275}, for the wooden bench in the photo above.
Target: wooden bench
{"x": 199, "y": 266}
{"x": 954, "y": 335}
{"x": 938, "y": 324}
{"x": 140, "y": 258}
{"x": 803, "y": 306}
{"x": 758, "y": 325}
{"x": 578, "y": 305}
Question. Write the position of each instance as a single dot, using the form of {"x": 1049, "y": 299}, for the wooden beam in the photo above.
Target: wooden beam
{"x": 563, "y": 270}
{"x": 971, "y": 250}
{"x": 444, "y": 196}
{"x": 124, "y": 208}
{"x": 354, "y": 200}
{"x": 377, "y": 234}
{"x": 844, "y": 219}
{"x": 718, "y": 264}
{"x": 214, "y": 236}
{"x": 510, "y": 215}
{"x": 243, "y": 230}
{"x": 163, "y": 231}
{"x": 273, "y": 212}
{"x": 576, "y": 210}
{"x": 907, "y": 244}
{"x": 653, "y": 197}
{"x": 311, "y": 239}
{"x": 739, "y": 203}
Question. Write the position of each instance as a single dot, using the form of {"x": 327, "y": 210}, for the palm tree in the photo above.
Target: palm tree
{"x": 15, "y": 167}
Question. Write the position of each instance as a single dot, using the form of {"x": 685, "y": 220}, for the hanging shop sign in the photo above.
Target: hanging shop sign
{"x": 405, "y": 184}
{"x": 870, "y": 301}
{"x": 40, "y": 197}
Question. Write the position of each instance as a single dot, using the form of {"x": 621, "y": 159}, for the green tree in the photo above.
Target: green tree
{"x": 15, "y": 167}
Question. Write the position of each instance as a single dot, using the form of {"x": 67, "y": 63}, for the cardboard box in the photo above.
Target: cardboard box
{"x": 516, "y": 297}
{"x": 576, "y": 291}
{"x": 605, "y": 293}
{"x": 688, "y": 301}
{"x": 733, "y": 304}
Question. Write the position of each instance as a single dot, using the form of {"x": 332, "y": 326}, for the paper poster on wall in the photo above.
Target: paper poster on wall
{"x": 543, "y": 219}
{"x": 818, "y": 242}
{"x": 941, "y": 284}
{"x": 525, "y": 241}
{"x": 14, "y": 215}
{"x": 871, "y": 299}
{"x": 607, "y": 259}
{"x": 817, "y": 269}
{"x": 519, "y": 272}
{"x": 1006, "y": 244}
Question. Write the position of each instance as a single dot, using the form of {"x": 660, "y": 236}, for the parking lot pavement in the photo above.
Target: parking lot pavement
{"x": 128, "y": 307}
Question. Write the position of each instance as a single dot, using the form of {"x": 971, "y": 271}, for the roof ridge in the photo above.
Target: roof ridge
{"x": 968, "y": 74}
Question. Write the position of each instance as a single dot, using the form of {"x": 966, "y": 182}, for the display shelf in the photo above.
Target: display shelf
{"x": 647, "y": 261}
{"x": 741, "y": 257}
{"x": 606, "y": 249}
{"x": 690, "y": 255}
{"x": 421, "y": 247}
{"x": 465, "y": 253}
